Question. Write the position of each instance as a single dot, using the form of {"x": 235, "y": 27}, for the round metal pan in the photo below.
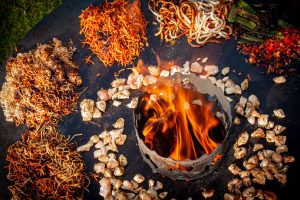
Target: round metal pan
{"x": 63, "y": 23}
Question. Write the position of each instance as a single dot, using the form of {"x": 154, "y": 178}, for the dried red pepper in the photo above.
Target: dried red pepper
{"x": 275, "y": 52}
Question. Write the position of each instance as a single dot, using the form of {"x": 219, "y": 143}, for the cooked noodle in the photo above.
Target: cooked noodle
{"x": 40, "y": 85}
{"x": 201, "y": 21}
{"x": 44, "y": 165}
{"x": 115, "y": 31}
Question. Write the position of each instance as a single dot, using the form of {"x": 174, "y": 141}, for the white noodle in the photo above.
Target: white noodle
{"x": 200, "y": 21}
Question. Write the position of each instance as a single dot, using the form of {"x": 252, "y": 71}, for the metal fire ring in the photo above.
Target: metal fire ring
{"x": 202, "y": 166}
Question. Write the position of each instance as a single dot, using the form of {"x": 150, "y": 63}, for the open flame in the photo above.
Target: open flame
{"x": 162, "y": 64}
{"x": 182, "y": 128}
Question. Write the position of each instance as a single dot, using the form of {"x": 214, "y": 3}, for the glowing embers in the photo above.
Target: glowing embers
{"x": 179, "y": 122}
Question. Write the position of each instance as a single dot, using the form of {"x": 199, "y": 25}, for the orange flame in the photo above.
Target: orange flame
{"x": 141, "y": 68}
{"x": 218, "y": 157}
{"x": 172, "y": 109}
{"x": 162, "y": 64}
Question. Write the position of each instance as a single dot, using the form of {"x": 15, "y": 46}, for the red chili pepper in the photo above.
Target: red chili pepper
{"x": 274, "y": 53}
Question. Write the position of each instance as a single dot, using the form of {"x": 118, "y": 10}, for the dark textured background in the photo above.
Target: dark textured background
{"x": 17, "y": 17}
{"x": 63, "y": 23}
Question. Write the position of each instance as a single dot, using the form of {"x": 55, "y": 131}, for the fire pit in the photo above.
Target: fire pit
{"x": 175, "y": 139}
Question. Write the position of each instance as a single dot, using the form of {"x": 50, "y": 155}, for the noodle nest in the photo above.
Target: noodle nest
{"x": 43, "y": 165}
{"x": 40, "y": 85}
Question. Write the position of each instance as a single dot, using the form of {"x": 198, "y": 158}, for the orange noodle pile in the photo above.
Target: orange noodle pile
{"x": 115, "y": 31}
{"x": 40, "y": 85}
{"x": 200, "y": 21}
{"x": 44, "y": 165}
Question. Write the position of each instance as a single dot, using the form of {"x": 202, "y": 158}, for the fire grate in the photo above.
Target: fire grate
{"x": 206, "y": 163}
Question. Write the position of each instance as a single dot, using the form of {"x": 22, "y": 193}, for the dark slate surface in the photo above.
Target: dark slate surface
{"x": 63, "y": 23}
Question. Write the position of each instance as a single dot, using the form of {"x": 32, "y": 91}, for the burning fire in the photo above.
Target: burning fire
{"x": 183, "y": 127}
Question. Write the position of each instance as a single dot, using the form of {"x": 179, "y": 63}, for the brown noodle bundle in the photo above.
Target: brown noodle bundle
{"x": 43, "y": 165}
{"x": 40, "y": 85}
{"x": 115, "y": 32}
{"x": 200, "y": 21}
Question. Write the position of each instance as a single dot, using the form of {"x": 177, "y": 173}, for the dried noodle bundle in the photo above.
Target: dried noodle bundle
{"x": 115, "y": 32}
{"x": 40, "y": 85}
{"x": 200, "y": 21}
{"x": 43, "y": 165}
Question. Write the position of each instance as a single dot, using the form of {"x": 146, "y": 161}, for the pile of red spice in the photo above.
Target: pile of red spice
{"x": 276, "y": 52}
